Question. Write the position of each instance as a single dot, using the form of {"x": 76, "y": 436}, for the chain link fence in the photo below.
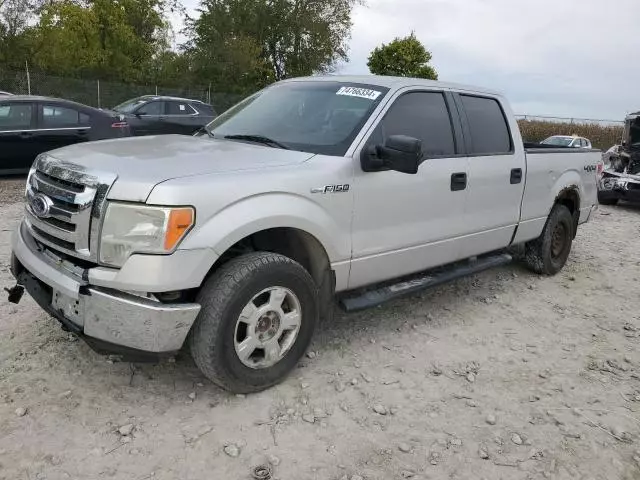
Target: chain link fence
{"x": 103, "y": 94}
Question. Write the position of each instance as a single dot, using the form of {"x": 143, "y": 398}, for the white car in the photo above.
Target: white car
{"x": 567, "y": 141}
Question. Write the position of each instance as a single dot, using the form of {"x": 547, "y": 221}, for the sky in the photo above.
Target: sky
{"x": 568, "y": 58}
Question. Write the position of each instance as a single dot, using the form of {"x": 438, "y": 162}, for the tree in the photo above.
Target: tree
{"x": 403, "y": 57}
{"x": 107, "y": 39}
{"x": 15, "y": 16}
{"x": 250, "y": 43}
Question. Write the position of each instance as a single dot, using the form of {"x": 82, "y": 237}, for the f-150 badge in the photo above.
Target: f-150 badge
{"x": 331, "y": 189}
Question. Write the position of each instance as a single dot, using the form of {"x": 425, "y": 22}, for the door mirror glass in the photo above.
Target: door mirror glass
{"x": 400, "y": 153}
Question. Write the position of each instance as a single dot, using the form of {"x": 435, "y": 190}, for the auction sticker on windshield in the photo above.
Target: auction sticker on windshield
{"x": 359, "y": 92}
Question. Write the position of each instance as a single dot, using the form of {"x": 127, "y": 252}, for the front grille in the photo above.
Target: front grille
{"x": 75, "y": 202}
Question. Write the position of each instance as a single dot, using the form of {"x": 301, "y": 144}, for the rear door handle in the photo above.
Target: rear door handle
{"x": 516, "y": 175}
{"x": 25, "y": 135}
{"x": 458, "y": 181}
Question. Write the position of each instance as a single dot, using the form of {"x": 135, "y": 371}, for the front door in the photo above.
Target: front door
{"x": 407, "y": 223}
{"x": 149, "y": 119}
{"x": 17, "y": 146}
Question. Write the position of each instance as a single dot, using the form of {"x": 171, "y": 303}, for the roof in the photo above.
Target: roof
{"x": 36, "y": 98}
{"x": 168, "y": 97}
{"x": 391, "y": 82}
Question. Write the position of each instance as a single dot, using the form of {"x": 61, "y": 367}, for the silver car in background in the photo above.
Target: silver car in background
{"x": 571, "y": 141}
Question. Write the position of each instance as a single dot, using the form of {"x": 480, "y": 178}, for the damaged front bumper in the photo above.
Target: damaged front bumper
{"x": 110, "y": 321}
{"x": 619, "y": 186}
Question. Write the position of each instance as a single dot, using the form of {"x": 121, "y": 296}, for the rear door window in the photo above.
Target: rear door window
{"x": 179, "y": 108}
{"x": 421, "y": 115}
{"x": 487, "y": 126}
{"x": 54, "y": 116}
{"x": 15, "y": 116}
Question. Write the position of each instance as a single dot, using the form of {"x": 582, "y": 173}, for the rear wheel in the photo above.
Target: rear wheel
{"x": 548, "y": 253}
{"x": 258, "y": 315}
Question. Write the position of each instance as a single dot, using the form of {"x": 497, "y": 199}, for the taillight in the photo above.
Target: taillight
{"x": 119, "y": 125}
{"x": 599, "y": 168}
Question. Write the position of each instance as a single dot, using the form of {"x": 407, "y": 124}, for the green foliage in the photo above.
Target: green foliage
{"x": 110, "y": 39}
{"x": 235, "y": 46}
{"x": 601, "y": 136}
{"x": 403, "y": 57}
{"x": 250, "y": 43}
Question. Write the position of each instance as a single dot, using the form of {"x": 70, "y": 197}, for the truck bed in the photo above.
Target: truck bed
{"x": 549, "y": 170}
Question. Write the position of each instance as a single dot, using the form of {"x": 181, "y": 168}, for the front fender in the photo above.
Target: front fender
{"x": 271, "y": 210}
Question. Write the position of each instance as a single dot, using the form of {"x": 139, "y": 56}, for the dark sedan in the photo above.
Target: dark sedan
{"x": 157, "y": 115}
{"x": 33, "y": 125}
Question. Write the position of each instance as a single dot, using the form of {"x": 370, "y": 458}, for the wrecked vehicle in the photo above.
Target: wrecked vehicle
{"x": 620, "y": 179}
{"x": 237, "y": 241}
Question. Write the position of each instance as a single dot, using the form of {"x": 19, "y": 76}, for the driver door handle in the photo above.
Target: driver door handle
{"x": 458, "y": 181}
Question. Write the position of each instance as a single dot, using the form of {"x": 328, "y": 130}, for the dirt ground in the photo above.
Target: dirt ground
{"x": 504, "y": 375}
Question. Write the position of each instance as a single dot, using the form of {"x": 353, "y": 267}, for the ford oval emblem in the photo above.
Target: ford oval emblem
{"x": 40, "y": 205}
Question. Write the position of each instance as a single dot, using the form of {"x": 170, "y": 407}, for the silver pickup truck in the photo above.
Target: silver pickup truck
{"x": 236, "y": 241}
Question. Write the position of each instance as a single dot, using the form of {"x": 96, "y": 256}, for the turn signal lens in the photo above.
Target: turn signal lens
{"x": 180, "y": 221}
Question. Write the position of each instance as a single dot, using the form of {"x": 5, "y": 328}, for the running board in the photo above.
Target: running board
{"x": 360, "y": 300}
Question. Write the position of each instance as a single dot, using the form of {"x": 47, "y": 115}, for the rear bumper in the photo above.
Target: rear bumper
{"x": 110, "y": 320}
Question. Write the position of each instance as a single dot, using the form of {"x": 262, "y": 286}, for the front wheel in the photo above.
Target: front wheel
{"x": 259, "y": 312}
{"x": 548, "y": 253}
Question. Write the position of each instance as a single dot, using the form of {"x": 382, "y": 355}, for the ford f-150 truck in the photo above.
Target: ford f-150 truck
{"x": 236, "y": 241}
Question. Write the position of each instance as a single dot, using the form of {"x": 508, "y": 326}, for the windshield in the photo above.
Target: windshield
{"x": 315, "y": 117}
{"x": 560, "y": 141}
{"x": 129, "y": 106}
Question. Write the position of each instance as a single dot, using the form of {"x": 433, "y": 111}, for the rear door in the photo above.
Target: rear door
{"x": 17, "y": 146}
{"x": 496, "y": 174}
{"x": 180, "y": 118}
{"x": 149, "y": 118}
{"x": 60, "y": 125}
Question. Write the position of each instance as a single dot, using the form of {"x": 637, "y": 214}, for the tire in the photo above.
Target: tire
{"x": 227, "y": 322}
{"x": 549, "y": 252}
{"x": 606, "y": 201}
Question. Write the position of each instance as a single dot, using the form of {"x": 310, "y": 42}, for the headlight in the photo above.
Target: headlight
{"x": 130, "y": 228}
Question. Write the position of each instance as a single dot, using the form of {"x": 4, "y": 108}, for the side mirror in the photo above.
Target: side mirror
{"x": 400, "y": 153}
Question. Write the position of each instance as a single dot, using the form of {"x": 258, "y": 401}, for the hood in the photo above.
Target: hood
{"x": 140, "y": 163}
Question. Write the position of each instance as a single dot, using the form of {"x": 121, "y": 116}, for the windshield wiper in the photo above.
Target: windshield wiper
{"x": 258, "y": 139}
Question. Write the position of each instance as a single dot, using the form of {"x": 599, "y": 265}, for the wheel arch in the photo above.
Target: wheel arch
{"x": 569, "y": 196}
{"x": 294, "y": 243}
